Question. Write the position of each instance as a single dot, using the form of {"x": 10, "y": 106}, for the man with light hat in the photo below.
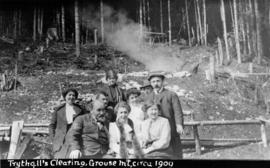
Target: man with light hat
{"x": 170, "y": 108}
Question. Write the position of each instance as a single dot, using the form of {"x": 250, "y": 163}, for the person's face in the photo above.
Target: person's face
{"x": 156, "y": 82}
{"x": 153, "y": 112}
{"x": 111, "y": 81}
{"x": 122, "y": 113}
{"x": 133, "y": 99}
{"x": 99, "y": 112}
{"x": 148, "y": 90}
{"x": 104, "y": 99}
{"x": 70, "y": 97}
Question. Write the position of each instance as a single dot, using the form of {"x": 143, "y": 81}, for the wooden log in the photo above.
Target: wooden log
{"x": 17, "y": 127}
{"x": 223, "y": 140}
{"x": 197, "y": 139}
{"x": 263, "y": 134}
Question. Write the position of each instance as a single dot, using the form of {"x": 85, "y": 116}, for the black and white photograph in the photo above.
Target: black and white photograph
{"x": 134, "y": 80}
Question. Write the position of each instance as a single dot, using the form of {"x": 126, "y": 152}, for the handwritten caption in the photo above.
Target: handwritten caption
{"x": 90, "y": 163}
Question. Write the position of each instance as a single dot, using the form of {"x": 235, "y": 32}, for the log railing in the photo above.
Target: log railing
{"x": 43, "y": 129}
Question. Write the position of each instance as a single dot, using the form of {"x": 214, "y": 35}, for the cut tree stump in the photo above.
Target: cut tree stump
{"x": 22, "y": 146}
{"x": 197, "y": 139}
{"x": 16, "y": 131}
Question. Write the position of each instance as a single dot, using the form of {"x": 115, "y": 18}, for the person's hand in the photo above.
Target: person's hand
{"x": 180, "y": 129}
{"x": 145, "y": 151}
{"x": 75, "y": 154}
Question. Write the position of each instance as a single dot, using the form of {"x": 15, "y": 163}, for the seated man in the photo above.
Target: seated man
{"x": 88, "y": 136}
{"x": 102, "y": 96}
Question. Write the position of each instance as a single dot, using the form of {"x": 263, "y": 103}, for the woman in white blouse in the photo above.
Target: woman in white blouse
{"x": 123, "y": 142}
{"x": 61, "y": 120}
{"x": 156, "y": 134}
{"x": 137, "y": 115}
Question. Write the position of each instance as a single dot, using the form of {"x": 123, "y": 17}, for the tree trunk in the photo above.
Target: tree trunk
{"x": 102, "y": 21}
{"x": 77, "y": 28}
{"x": 63, "y": 22}
{"x": 236, "y": 32}
{"x": 58, "y": 21}
{"x": 169, "y": 22}
{"x": 223, "y": 18}
{"x": 197, "y": 22}
{"x": 161, "y": 15}
{"x": 242, "y": 26}
{"x": 15, "y": 18}
{"x": 144, "y": 13}
{"x": 204, "y": 23}
{"x": 141, "y": 21}
{"x": 148, "y": 16}
{"x": 20, "y": 23}
{"x": 200, "y": 21}
{"x": 258, "y": 32}
{"x": 188, "y": 26}
{"x": 38, "y": 22}
{"x": 35, "y": 24}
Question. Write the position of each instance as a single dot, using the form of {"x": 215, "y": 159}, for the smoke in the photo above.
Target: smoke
{"x": 123, "y": 34}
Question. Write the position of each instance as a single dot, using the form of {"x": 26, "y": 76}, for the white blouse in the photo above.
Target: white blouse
{"x": 70, "y": 112}
{"x": 114, "y": 133}
{"x": 137, "y": 116}
{"x": 159, "y": 131}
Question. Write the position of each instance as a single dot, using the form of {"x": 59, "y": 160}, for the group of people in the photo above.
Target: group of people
{"x": 132, "y": 123}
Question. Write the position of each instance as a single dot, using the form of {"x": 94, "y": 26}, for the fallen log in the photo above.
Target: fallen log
{"x": 7, "y": 40}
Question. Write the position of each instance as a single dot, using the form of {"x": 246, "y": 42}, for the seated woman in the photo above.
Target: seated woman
{"x": 61, "y": 120}
{"x": 156, "y": 134}
{"x": 137, "y": 115}
{"x": 115, "y": 93}
{"x": 123, "y": 142}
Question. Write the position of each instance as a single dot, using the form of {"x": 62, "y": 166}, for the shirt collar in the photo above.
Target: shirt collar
{"x": 159, "y": 91}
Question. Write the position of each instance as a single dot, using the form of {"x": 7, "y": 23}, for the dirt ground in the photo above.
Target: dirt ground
{"x": 43, "y": 81}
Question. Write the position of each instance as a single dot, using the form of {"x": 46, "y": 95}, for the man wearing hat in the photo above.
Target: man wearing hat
{"x": 170, "y": 108}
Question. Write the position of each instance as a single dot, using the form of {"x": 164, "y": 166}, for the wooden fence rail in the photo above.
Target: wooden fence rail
{"x": 43, "y": 129}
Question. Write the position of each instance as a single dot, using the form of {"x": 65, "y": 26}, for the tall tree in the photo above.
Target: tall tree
{"x": 141, "y": 20}
{"x": 161, "y": 15}
{"x": 63, "y": 22}
{"x": 15, "y": 21}
{"x": 236, "y": 32}
{"x": 188, "y": 26}
{"x": 102, "y": 21}
{"x": 200, "y": 21}
{"x": 169, "y": 22}
{"x": 223, "y": 18}
{"x": 204, "y": 23}
{"x": 34, "y": 24}
{"x": 258, "y": 32}
{"x": 148, "y": 15}
{"x": 77, "y": 28}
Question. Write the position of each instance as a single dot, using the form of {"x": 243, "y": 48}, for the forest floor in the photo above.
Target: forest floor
{"x": 223, "y": 100}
